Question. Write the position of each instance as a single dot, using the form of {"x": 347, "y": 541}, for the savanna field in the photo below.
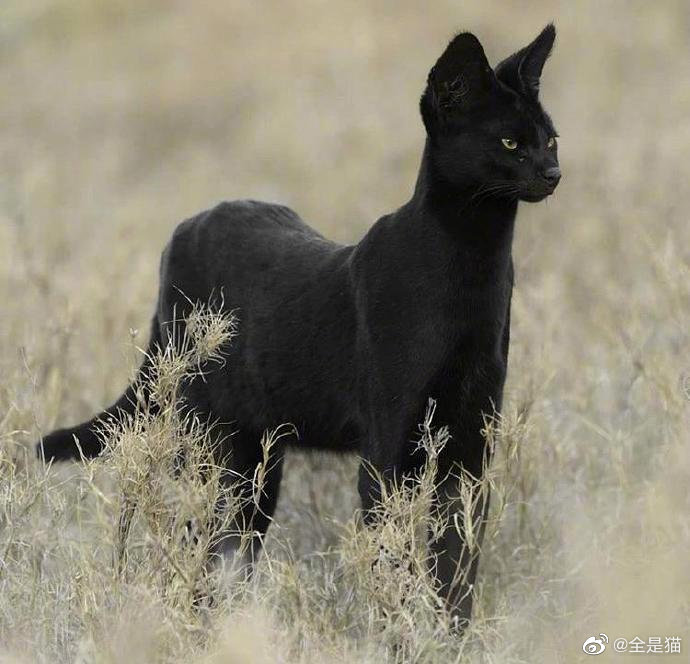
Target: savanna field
{"x": 120, "y": 119}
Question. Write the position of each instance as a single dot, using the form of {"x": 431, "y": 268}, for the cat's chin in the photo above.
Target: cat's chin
{"x": 534, "y": 197}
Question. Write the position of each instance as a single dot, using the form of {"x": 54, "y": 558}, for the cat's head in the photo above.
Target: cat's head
{"x": 486, "y": 127}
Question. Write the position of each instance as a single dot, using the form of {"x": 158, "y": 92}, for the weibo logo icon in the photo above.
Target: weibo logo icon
{"x": 594, "y": 645}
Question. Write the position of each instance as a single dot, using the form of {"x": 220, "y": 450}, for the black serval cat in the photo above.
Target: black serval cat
{"x": 349, "y": 342}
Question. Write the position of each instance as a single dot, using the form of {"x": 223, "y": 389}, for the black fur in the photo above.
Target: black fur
{"x": 349, "y": 342}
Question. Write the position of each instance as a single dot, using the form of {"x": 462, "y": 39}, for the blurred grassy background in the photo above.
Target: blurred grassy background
{"x": 119, "y": 119}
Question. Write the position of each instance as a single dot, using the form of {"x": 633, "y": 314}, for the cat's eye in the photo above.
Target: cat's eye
{"x": 551, "y": 143}
{"x": 509, "y": 143}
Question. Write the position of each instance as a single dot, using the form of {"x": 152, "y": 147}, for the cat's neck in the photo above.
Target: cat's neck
{"x": 444, "y": 237}
{"x": 464, "y": 222}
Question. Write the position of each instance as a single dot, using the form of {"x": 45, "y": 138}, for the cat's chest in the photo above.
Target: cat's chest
{"x": 471, "y": 334}
{"x": 469, "y": 327}
{"x": 477, "y": 310}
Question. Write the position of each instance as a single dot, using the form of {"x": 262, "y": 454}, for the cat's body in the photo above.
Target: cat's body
{"x": 287, "y": 348}
{"x": 348, "y": 343}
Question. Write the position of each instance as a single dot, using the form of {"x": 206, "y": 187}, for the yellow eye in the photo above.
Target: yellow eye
{"x": 551, "y": 142}
{"x": 509, "y": 143}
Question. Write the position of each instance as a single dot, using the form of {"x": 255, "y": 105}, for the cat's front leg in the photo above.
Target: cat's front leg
{"x": 455, "y": 553}
{"x": 468, "y": 399}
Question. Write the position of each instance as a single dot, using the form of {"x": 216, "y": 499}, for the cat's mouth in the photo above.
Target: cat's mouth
{"x": 537, "y": 192}
{"x": 531, "y": 197}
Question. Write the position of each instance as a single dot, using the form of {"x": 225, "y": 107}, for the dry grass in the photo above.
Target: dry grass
{"x": 120, "y": 118}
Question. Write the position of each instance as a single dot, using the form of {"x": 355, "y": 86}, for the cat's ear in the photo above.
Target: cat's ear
{"x": 522, "y": 70}
{"x": 459, "y": 80}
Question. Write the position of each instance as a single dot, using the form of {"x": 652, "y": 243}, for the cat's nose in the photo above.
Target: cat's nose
{"x": 552, "y": 175}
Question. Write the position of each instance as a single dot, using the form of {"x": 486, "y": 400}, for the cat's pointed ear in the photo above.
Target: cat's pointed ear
{"x": 459, "y": 80}
{"x": 522, "y": 70}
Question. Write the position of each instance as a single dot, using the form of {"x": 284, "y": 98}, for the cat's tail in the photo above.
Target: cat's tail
{"x": 85, "y": 439}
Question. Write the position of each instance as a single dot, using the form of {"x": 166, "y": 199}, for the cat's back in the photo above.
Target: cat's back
{"x": 250, "y": 243}
{"x": 246, "y": 225}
